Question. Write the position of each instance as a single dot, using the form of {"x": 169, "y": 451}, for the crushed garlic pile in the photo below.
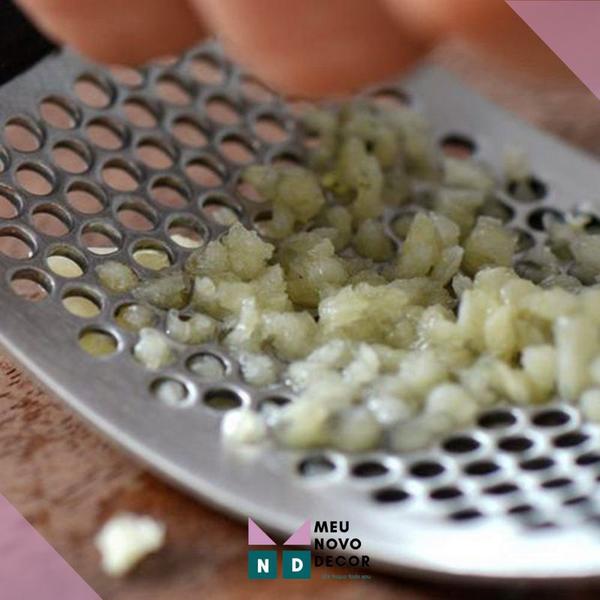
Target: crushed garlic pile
{"x": 380, "y": 342}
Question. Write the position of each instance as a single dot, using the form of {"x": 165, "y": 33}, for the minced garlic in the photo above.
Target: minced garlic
{"x": 379, "y": 342}
{"x": 126, "y": 539}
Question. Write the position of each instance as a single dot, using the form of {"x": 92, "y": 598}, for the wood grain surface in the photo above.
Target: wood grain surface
{"x": 66, "y": 480}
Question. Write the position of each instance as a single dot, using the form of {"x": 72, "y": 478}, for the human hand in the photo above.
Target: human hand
{"x": 310, "y": 47}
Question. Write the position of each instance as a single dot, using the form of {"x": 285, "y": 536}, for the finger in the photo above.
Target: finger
{"x": 114, "y": 31}
{"x": 314, "y": 46}
{"x": 492, "y": 25}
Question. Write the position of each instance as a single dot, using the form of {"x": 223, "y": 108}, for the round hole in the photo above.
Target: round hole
{"x": 577, "y": 274}
{"x": 248, "y": 191}
{"x": 466, "y": 514}
{"x": 154, "y": 154}
{"x": 525, "y": 241}
{"x": 570, "y": 439}
{"x": 537, "y": 217}
{"x": 551, "y": 418}
{"x": 151, "y": 255}
{"x": 207, "y": 367}
{"x": 500, "y": 489}
{"x": 22, "y": 135}
{"x": 81, "y": 303}
{"x": 222, "y": 399}
{"x": 105, "y": 134}
{"x": 589, "y": 458}
{"x": 457, "y": 145}
{"x": 204, "y": 173}
{"x": 71, "y": 156}
{"x": 529, "y": 189}
{"x": 493, "y": 207}
{"x": 255, "y": 91}
{"x": 170, "y": 392}
{"x": 15, "y": 243}
{"x": 236, "y": 149}
{"x": 187, "y": 132}
{"x": 497, "y": 419}
{"x": 98, "y": 342}
{"x": 273, "y": 402}
{"x": 58, "y": 112}
{"x": 285, "y": 159}
{"x": 136, "y": 215}
{"x": 311, "y": 140}
{"x": 270, "y": 130}
{"x": 222, "y": 111}
{"x": 543, "y": 525}
{"x": 219, "y": 212}
{"x": 369, "y": 468}
{"x": 532, "y": 270}
{"x": 316, "y": 466}
{"x": 481, "y": 468}
{"x": 391, "y": 98}
{"x": 35, "y": 179}
{"x": 171, "y": 90}
{"x": 593, "y": 223}
{"x": 517, "y": 443}
{"x": 166, "y": 60}
{"x": 66, "y": 262}
{"x": 31, "y": 284}
{"x": 139, "y": 113}
{"x": 10, "y": 203}
{"x": 557, "y": 482}
{"x": 537, "y": 464}
{"x": 206, "y": 70}
{"x": 4, "y": 160}
{"x": 426, "y": 468}
{"x": 577, "y": 500}
{"x": 93, "y": 91}
{"x": 521, "y": 509}
{"x": 461, "y": 444}
{"x": 120, "y": 175}
{"x": 169, "y": 192}
{"x": 186, "y": 232}
{"x": 445, "y": 493}
{"x": 126, "y": 75}
{"x": 390, "y": 495}
{"x": 133, "y": 317}
{"x": 51, "y": 219}
{"x": 261, "y": 222}
{"x": 100, "y": 238}
{"x": 85, "y": 197}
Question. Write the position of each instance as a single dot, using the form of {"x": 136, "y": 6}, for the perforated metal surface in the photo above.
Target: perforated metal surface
{"x": 514, "y": 497}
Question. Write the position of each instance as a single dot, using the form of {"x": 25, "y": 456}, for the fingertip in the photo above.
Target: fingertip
{"x": 113, "y": 31}
{"x": 313, "y": 48}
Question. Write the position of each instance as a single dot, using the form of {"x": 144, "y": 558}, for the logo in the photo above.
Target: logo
{"x": 334, "y": 546}
{"x": 295, "y": 563}
{"x": 262, "y": 564}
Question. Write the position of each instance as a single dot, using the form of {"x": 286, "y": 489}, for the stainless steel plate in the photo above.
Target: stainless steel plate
{"x": 515, "y": 497}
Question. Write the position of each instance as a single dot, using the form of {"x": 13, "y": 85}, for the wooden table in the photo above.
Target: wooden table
{"x": 67, "y": 480}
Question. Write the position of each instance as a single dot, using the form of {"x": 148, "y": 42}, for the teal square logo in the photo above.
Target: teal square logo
{"x": 296, "y": 564}
{"x": 262, "y": 564}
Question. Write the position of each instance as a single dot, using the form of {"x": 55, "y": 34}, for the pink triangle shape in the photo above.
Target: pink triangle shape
{"x": 300, "y": 537}
{"x": 30, "y": 567}
{"x": 570, "y": 29}
{"x": 257, "y": 537}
